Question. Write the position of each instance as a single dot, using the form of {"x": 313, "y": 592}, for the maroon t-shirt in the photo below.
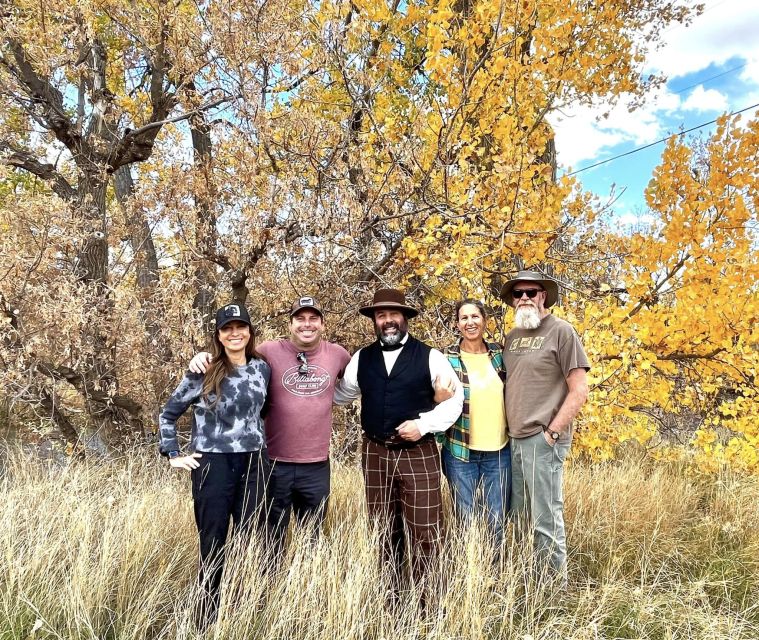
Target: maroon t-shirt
{"x": 299, "y": 421}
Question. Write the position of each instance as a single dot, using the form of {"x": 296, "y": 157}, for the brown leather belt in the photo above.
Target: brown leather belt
{"x": 396, "y": 442}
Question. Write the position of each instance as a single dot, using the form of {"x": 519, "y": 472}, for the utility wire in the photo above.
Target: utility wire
{"x": 652, "y": 144}
{"x": 701, "y": 83}
{"x": 705, "y": 80}
{"x": 681, "y": 133}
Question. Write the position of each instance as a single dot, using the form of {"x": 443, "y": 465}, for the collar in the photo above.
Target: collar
{"x": 455, "y": 348}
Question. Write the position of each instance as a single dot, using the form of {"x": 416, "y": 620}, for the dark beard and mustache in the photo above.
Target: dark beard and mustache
{"x": 393, "y": 339}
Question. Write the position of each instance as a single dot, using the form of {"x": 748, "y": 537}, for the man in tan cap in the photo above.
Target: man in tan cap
{"x": 545, "y": 388}
{"x": 395, "y": 377}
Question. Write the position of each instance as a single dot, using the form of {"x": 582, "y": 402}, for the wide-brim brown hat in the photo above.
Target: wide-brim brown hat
{"x": 550, "y": 285}
{"x": 389, "y": 299}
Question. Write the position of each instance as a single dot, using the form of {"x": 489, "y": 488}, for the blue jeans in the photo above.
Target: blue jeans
{"x": 481, "y": 485}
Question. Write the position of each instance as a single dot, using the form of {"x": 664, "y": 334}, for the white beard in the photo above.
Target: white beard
{"x": 527, "y": 318}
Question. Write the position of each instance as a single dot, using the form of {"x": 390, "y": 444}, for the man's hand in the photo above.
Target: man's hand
{"x": 409, "y": 431}
{"x": 443, "y": 390}
{"x": 200, "y": 362}
{"x": 186, "y": 462}
{"x": 547, "y": 437}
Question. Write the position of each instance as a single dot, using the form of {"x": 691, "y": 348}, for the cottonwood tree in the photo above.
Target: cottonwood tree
{"x": 92, "y": 83}
{"x": 672, "y": 320}
{"x": 278, "y": 147}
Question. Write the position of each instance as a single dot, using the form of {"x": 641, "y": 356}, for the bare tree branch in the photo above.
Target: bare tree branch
{"x": 21, "y": 159}
{"x": 48, "y": 98}
{"x": 137, "y": 145}
{"x": 87, "y": 389}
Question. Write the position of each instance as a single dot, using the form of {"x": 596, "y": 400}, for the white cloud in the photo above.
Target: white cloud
{"x": 726, "y": 29}
{"x": 750, "y": 73}
{"x": 748, "y": 100}
{"x": 705, "y": 100}
{"x": 629, "y": 222}
{"x": 582, "y": 133}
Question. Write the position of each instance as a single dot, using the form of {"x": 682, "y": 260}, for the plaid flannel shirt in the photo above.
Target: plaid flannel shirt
{"x": 456, "y": 438}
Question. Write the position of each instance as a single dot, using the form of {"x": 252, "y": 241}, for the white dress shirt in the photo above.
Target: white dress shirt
{"x": 434, "y": 421}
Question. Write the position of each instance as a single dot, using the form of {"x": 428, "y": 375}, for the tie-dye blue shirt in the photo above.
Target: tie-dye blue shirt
{"x": 233, "y": 425}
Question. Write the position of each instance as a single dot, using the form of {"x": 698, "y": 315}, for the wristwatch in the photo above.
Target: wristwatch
{"x": 554, "y": 435}
{"x": 173, "y": 454}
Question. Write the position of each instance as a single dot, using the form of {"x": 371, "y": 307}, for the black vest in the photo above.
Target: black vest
{"x": 387, "y": 401}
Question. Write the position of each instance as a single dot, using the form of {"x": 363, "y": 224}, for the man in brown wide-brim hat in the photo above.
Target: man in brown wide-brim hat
{"x": 545, "y": 388}
{"x": 396, "y": 377}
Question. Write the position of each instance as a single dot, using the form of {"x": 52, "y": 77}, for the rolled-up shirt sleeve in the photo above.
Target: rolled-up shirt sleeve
{"x": 347, "y": 389}
{"x": 448, "y": 411}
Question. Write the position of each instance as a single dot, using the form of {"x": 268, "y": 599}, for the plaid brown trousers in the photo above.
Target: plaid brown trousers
{"x": 403, "y": 497}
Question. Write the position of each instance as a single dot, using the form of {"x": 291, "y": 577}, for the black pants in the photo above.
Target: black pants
{"x": 300, "y": 487}
{"x": 224, "y": 485}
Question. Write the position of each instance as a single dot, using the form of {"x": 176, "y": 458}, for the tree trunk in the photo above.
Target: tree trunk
{"x": 61, "y": 420}
{"x": 146, "y": 260}
{"x": 113, "y": 423}
{"x": 206, "y": 237}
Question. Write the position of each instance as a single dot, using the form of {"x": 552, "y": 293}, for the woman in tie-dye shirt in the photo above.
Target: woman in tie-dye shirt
{"x": 227, "y": 457}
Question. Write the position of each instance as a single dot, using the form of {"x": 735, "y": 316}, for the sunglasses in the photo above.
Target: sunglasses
{"x": 530, "y": 293}
{"x": 303, "y": 368}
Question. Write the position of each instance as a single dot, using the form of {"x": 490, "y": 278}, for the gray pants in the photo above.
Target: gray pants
{"x": 537, "y": 497}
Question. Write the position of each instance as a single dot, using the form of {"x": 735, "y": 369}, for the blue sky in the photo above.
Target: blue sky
{"x": 723, "y": 41}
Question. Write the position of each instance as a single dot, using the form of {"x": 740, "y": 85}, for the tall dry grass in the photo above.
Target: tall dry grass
{"x": 109, "y": 551}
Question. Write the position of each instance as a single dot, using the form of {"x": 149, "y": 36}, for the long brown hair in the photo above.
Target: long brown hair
{"x": 220, "y": 366}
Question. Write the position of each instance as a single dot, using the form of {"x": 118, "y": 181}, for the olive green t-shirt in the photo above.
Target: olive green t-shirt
{"x": 537, "y": 363}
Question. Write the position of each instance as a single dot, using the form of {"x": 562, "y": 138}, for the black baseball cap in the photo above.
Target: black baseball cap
{"x": 306, "y": 302}
{"x": 231, "y": 312}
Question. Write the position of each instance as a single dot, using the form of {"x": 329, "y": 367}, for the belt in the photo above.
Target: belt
{"x": 396, "y": 442}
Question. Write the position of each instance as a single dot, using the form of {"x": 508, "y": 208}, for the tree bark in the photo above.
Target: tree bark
{"x": 59, "y": 418}
{"x": 206, "y": 237}
{"x": 146, "y": 260}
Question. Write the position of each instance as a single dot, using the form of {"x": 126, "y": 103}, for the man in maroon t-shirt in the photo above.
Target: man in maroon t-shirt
{"x": 304, "y": 371}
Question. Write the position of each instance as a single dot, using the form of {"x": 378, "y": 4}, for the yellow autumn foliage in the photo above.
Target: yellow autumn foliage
{"x": 356, "y": 144}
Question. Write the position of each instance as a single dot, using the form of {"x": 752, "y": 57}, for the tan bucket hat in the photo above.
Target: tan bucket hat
{"x": 550, "y": 285}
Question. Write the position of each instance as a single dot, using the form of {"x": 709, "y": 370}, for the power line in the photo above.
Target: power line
{"x": 652, "y": 144}
{"x": 700, "y": 83}
{"x": 705, "y": 80}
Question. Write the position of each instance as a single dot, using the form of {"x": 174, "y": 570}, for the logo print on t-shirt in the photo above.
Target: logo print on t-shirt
{"x": 313, "y": 383}
{"x": 533, "y": 344}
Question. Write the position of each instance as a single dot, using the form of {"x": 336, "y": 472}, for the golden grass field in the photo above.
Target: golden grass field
{"x": 108, "y": 551}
